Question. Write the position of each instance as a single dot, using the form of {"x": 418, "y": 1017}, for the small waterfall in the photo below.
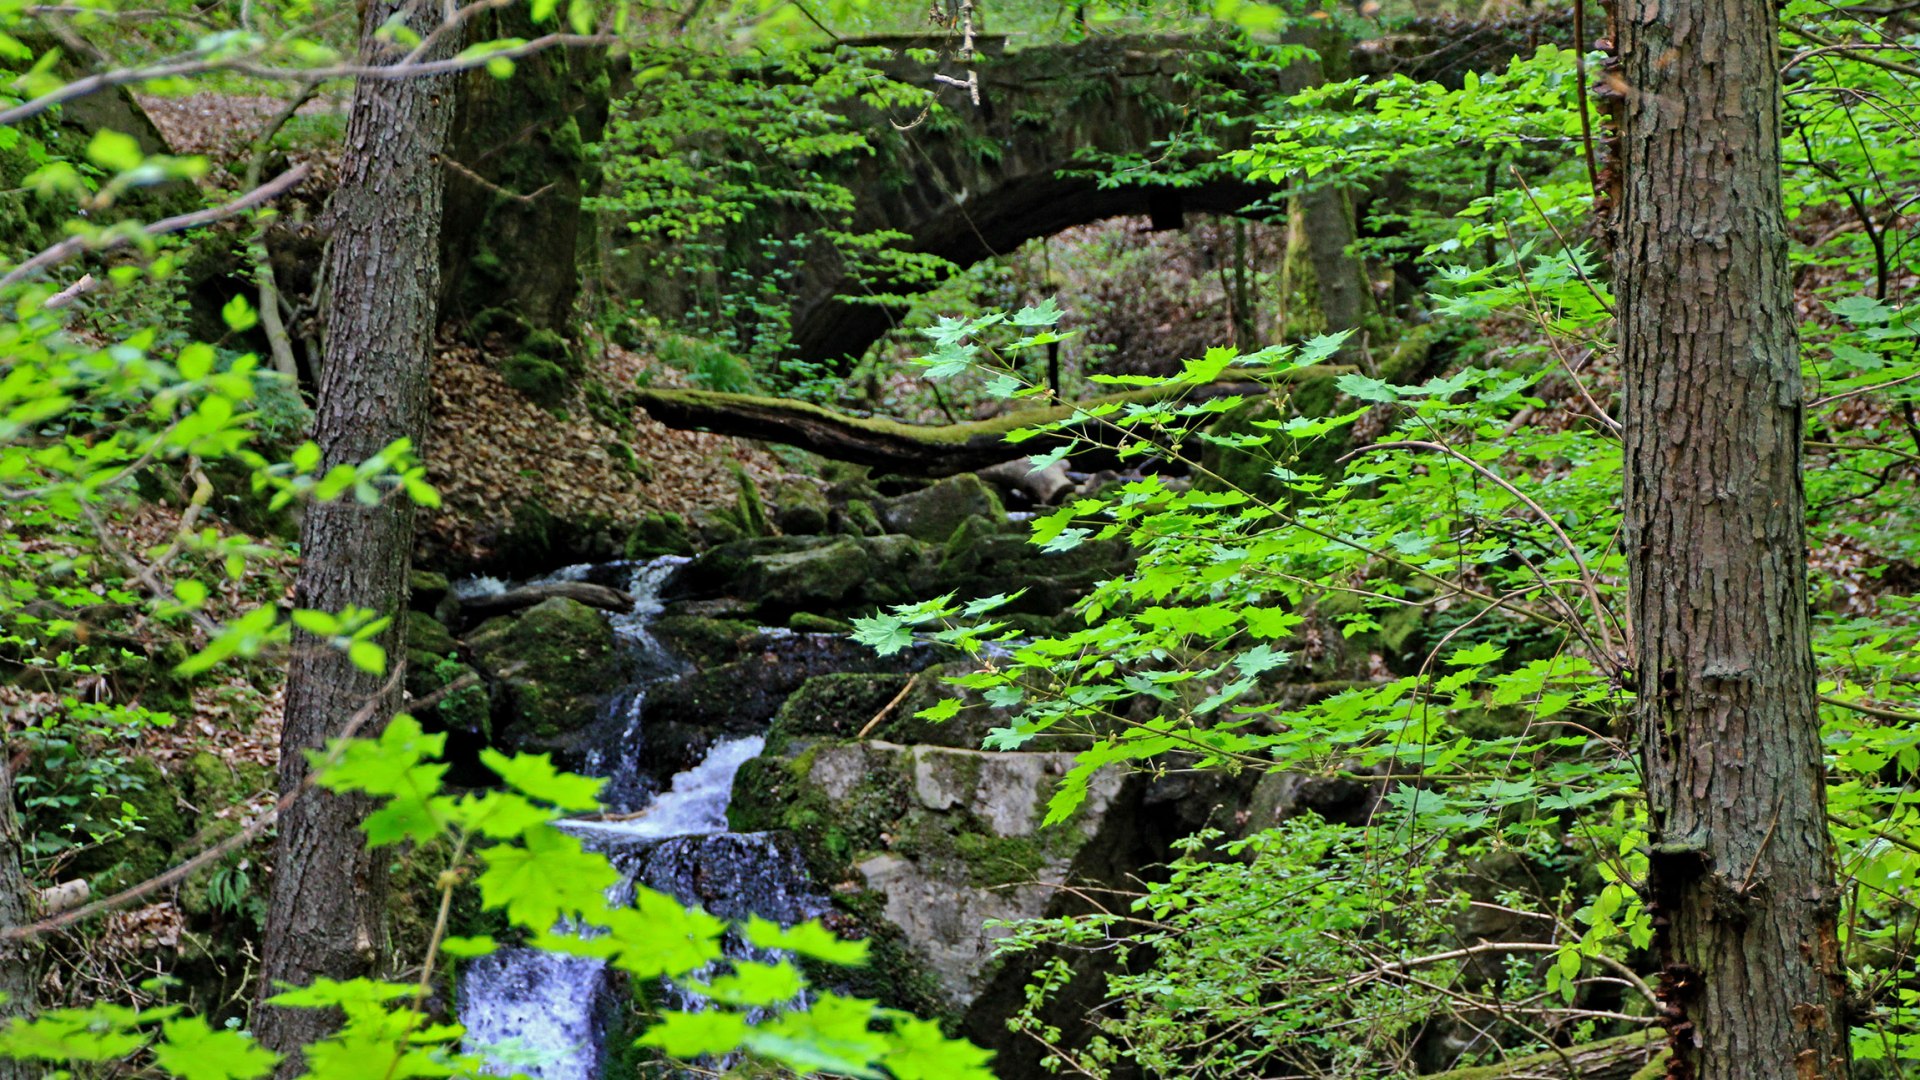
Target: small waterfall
{"x": 547, "y": 1016}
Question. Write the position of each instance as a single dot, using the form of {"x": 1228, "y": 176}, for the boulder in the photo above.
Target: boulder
{"x": 929, "y": 842}
{"x": 551, "y": 665}
{"x": 933, "y": 512}
{"x": 799, "y": 506}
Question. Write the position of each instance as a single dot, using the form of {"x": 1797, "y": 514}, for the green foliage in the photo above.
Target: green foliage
{"x": 712, "y": 161}
{"x": 550, "y": 886}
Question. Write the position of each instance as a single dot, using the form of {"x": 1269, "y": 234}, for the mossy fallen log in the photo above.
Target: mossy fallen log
{"x": 914, "y": 449}
{"x": 1639, "y": 1056}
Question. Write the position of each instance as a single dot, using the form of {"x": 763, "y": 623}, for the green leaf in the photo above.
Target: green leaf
{"x": 466, "y": 948}
{"x": 114, "y": 151}
{"x": 944, "y": 709}
{"x": 239, "y": 315}
{"x": 709, "y": 1032}
{"x": 368, "y": 657}
{"x": 920, "y": 1051}
{"x": 809, "y": 939}
{"x": 1366, "y": 388}
{"x": 190, "y": 1049}
{"x": 755, "y": 984}
{"x": 534, "y": 775}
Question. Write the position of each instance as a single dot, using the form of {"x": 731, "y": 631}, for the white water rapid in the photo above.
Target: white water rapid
{"x": 547, "y": 1016}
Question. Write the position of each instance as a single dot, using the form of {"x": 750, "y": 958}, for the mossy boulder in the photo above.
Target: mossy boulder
{"x": 155, "y": 798}
{"x": 928, "y": 842}
{"x": 934, "y": 512}
{"x": 781, "y": 575}
{"x": 659, "y": 533}
{"x": 551, "y": 665}
{"x": 799, "y": 506}
{"x": 857, "y": 517}
{"x": 537, "y": 377}
{"x": 704, "y": 640}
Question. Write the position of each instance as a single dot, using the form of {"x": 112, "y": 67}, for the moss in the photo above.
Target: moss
{"x": 808, "y": 623}
{"x": 426, "y": 634}
{"x": 551, "y": 346}
{"x": 835, "y": 706}
{"x": 858, "y": 518}
{"x": 552, "y": 661}
{"x": 705, "y": 641}
{"x": 498, "y": 322}
{"x": 749, "y": 510}
{"x": 540, "y": 379}
{"x": 659, "y": 533}
{"x": 156, "y": 801}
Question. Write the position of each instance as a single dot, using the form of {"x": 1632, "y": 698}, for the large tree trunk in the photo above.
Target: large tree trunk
{"x": 327, "y": 914}
{"x": 17, "y": 968}
{"x": 1742, "y": 877}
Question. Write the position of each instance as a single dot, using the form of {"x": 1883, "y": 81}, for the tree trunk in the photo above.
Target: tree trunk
{"x": 1321, "y": 218}
{"x": 17, "y": 967}
{"x": 1741, "y": 881}
{"x": 327, "y": 913}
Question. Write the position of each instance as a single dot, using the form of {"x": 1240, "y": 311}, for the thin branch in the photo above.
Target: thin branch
{"x": 68, "y": 248}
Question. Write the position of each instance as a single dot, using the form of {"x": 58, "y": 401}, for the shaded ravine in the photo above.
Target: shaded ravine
{"x": 548, "y": 1015}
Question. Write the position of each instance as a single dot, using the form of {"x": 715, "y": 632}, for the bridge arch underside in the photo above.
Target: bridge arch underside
{"x": 832, "y": 330}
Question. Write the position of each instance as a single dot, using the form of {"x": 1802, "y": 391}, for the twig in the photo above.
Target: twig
{"x": 889, "y": 707}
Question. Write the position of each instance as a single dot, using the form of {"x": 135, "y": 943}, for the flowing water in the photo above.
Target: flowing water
{"x": 549, "y": 1014}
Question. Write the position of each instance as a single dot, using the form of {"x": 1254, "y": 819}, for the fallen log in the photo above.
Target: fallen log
{"x": 913, "y": 449}
{"x": 1639, "y": 1056}
{"x": 597, "y": 596}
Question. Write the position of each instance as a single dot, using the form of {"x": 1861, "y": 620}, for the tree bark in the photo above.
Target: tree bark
{"x": 1321, "y": 218}
{"x": 18, "y": 977}
{"x": 327, "y": 913}
{"x": 1741, "y": 881}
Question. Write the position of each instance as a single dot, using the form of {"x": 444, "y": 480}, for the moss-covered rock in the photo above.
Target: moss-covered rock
{"x": 659, "y": 533}
{"x": 934, "y": 512}
{"x": 704, "y": 640}
{"x": 155, "y": 800}
{"x": 857, "y": 517}
{"x": 800, "y": 506}
{"x": 551, "y": 666}
{"x": 931, "y": 842}
{"x": 537, "y": 377}
{"x": 426, "y": 591}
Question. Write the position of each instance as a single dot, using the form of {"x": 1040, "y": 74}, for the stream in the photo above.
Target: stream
{"x": 547, "y": 1015}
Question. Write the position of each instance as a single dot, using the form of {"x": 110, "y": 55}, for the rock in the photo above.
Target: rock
{"x": 585, "y": 592}
{"x": 780, "y": 575}
{"x": 809, "y": 623}
{"x": 800, "y": 506}
{"x": 705, "y": 640}
{"x": 426, "y": 634}
{"x": 551, "y": 666}
{"x": 934, "y": 841}
{"x": 683, "y": 716}
{"x": 426, "y": 590}
{"x": 1041, "y": 487}
{"x": 659, "y": 533}
{"x": 933, "y": 512}
{"x": 856, "y": 517}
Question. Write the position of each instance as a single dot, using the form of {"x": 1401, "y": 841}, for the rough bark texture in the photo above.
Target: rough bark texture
{"x": 1742, "y": 877}
{"x": 327, "y": 913}
{"x": 519, "y": 147}
{"x": 17, "y": 969}
{"x": 1322, "y": 216}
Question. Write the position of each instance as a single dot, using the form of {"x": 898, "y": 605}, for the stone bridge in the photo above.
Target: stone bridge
{"x": 980, "y": 182}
